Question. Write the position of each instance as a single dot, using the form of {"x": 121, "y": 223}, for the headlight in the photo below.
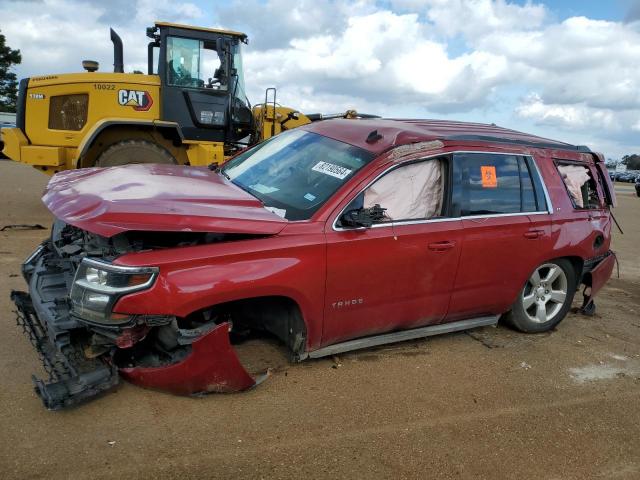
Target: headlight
{"x": 98, "y": 285}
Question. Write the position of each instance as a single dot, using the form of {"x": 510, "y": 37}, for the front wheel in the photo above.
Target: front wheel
{"x": 131, "y": 151}
{"x": 545, "y": 298}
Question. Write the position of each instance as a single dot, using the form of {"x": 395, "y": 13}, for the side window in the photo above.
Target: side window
{"x": 486, "y": 184}
{"x": 409, "y": 192}
{"x": 580, "y": 184}
{"x": 195, "y": 63}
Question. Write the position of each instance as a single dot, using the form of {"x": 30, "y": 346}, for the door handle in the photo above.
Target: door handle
{"x": 441, "y": 246}
{"x": 533, "y": 234}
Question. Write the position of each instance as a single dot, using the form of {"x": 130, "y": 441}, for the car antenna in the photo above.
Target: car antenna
{"x": 373, "y": 137}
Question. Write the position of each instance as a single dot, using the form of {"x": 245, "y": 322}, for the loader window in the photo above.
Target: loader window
{"x": 196, "y": 64}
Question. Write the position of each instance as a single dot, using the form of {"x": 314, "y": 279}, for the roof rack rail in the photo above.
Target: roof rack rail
{"x": 530, "y": 143}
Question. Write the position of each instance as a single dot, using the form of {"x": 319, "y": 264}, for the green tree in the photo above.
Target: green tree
{"x": 631, "y": 161}
{"x": 8, "y": 80}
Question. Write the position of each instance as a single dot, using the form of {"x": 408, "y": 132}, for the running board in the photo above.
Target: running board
{"x": 403, "y": 335}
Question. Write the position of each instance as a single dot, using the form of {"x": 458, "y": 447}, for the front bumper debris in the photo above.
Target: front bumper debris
{"x": 212, "y": 366}
{"x": 72, "y": 377}
{"x": 79, "y": 368}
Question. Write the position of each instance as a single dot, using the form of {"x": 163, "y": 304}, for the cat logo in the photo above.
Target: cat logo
{"x": 140, "y": 100}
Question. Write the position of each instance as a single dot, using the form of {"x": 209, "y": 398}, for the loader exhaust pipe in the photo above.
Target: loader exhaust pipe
{"x": 118, "y": 62}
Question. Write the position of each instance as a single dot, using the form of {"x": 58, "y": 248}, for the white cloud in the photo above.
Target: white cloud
{"x": 576, "y": 78}
{"x": 54, "y": 36}
{"x": 476, "y": 18}
{"x": 574, "y": 117}
{"x": 384, "y": 56}
{"x": 583, "y": 70}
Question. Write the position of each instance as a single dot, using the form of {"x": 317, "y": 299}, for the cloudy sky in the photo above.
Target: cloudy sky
{"x": 568, "y": 70}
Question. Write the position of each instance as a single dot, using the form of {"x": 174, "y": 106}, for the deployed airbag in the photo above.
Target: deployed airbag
{"x": 574, "y": 178}
{"x": 410, "y": 192}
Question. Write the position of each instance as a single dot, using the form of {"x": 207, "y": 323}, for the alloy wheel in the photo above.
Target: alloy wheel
{"x": 545, "y": 293}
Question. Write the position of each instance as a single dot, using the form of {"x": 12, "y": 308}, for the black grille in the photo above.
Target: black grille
{"x": 68, "y": 112}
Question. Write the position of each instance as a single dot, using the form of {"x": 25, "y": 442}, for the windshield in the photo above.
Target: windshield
{"x": 294, "y": 173}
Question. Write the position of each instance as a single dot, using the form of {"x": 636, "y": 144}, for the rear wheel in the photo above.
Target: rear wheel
{"x": 545, "y": 298}
{"x": 134, "y": 151}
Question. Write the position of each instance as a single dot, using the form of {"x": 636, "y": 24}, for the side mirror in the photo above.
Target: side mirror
{"x": 362, "y": 217}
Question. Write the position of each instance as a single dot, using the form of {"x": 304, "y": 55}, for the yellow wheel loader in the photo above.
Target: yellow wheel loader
{"x": 189, "y": 108}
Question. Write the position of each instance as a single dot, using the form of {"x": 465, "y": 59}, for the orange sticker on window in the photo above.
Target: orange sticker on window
{"x": 489, "y": 178}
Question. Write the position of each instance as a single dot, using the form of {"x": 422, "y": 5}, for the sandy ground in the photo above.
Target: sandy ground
{"x": 491, "y": 404}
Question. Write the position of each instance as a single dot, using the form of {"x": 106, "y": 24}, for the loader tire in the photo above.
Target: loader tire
{"x": 134, "y": 151}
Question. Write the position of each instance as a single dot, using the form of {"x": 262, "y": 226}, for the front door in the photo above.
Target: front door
{"x": 397, "y": 274}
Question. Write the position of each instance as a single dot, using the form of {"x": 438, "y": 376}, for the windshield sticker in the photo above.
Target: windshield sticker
{"x": 330, "y": 169}
{"x": 489, "y": 177}
{"x": 310, "y": 197}
{"x": 260, "y": 188}
{"x": 281, "y": 212}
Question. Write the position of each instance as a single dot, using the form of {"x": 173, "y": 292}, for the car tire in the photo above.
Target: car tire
{"x": 127, "y": 152}
{"x": 545, "y": 298}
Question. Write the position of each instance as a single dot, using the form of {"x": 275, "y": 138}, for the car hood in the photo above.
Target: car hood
{"x": 108, "y": 201}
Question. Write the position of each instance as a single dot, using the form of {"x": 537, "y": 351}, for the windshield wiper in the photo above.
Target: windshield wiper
{"x": 219, "y": 170}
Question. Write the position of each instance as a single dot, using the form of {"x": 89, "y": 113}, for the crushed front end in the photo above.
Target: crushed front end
{"x": 60, "y": 339}
{"x": 84, "y": 345}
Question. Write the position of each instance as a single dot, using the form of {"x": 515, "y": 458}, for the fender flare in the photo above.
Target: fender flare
{"x": 102, "y": 125}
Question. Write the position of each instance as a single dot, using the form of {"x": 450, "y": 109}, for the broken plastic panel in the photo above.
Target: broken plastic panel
{"x": 212, "y": 366}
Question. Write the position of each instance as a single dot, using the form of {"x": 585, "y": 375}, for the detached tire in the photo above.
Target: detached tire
{"x": 134, "y": 151}
{"x": 545, "y": 298}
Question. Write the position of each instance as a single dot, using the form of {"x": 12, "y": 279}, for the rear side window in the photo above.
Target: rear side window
{"x": 580, "y": 184}
{"x": 492, "y": 184}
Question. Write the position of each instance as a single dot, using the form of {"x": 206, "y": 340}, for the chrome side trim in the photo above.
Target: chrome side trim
{"x": 549, "y": 210}
{"x": 402, "y": 336}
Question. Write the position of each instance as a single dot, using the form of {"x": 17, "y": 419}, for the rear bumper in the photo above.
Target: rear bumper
{"x": 597, "y": 272}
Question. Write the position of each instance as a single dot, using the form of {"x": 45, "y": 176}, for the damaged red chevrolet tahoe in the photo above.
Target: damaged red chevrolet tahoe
{"x": 332, "y": 237}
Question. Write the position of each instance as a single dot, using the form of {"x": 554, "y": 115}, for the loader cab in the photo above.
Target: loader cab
{"x": 202, "y": 81}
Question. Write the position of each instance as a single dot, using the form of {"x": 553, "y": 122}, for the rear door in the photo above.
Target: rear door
{"x": 506, "y": 230}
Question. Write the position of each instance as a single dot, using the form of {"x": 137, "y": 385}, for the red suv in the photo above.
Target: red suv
{"x": 335, "y": 236}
